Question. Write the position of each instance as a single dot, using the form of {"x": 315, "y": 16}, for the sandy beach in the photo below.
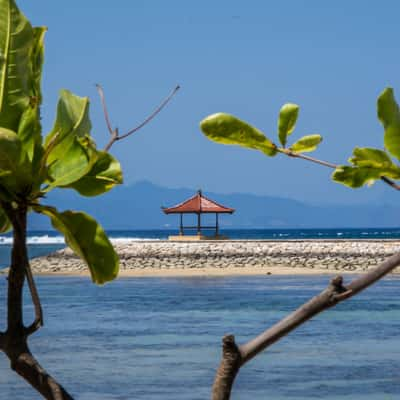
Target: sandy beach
{"x": 233, "y": 257}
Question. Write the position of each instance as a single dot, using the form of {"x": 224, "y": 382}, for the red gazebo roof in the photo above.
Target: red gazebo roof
{"x": 198, "y": 204}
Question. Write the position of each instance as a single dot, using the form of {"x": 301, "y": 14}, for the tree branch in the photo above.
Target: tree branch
{"x": 2, "y": 340}
{"x": 19, "y": 265}
{"x": 332, "y": 295}
{"x": 293, "y": 154}
{"x": 115, "y": 136}
{"x": 228, "y": 369}
{"x": 27, "y": 367}
{"x": 16, "y": 274}
{"x": 152, "y": 115}
{"x": 38, "y": 322}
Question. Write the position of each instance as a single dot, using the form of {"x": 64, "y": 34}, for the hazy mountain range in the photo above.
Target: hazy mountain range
{"x": 138, "y": 206}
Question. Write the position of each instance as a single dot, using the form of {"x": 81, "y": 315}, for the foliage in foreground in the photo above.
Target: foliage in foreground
{"x": 67, "y": 158}
{"x": 367, "y": 164}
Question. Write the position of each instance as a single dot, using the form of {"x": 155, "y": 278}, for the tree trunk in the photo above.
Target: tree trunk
{"x": 14, "y": 342}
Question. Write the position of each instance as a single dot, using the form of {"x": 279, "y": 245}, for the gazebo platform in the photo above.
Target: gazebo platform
{"x": 194, "y": 238}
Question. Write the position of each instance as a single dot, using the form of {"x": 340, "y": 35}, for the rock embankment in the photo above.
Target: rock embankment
{"x": 335, "y": 255}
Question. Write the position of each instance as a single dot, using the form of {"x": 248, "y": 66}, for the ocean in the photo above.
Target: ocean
{"x": 159, "y": 338}
{"x": 153, "y": 338}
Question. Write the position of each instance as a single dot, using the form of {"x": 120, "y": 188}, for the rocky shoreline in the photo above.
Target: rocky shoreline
{"x": 234, "y": 255}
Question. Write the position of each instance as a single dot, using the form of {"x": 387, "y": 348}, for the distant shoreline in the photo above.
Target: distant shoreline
{"x": 232, "y": 257}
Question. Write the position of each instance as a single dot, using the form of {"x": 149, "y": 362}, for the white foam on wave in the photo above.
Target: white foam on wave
{"x": 46, "y": 239}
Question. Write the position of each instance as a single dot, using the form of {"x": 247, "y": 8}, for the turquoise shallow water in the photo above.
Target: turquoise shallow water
{"x": 154, "y": 338}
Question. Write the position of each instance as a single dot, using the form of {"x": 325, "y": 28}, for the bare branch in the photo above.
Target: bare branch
{"x": 27, "y": 366}
{"x": 114, "y": 132}
{"x": 105, "y": 111}
{"x": 312, "y": 159}
{"x": 229, "y": 367}
{"x": 152, "y": 115}
{"x": 38, "y": 322}
{"x": 332, "y": 295}
{"x": 114, "y": 138}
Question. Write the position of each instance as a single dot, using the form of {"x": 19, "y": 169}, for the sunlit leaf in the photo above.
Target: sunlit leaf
{"x": 306, "y": 144}
{"x": 375, "y": 158}
{"x": 227, "y": 129}
{"x": 5, "y": 224}
{"x": 37, "y": 57}
{"x": 104, "y": 175}
{"x": 356, "y": 177}
{"x": 72, "y": 121}
{"x": 15, "y": 168}
{"x": 389, "y": 115}
{"x": 16, "y": 40}
{"x": 70, "y": 152}
{"x": 29, "y": 130}
{"x": 287, "y": 121}
{"x": 87, "y": 239}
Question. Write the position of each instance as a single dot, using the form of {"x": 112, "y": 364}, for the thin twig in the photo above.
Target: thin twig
{"x": 105, "y": 111}
{"x": 152, "y": 115}
{"x": 115, "y": 136}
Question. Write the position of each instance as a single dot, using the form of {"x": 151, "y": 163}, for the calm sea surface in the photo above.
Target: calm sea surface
{"x": 159, "y": 338}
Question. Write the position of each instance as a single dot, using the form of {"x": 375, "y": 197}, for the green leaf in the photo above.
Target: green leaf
{"x": 227, "y": 129}
{"x": 104, "y": 175}
{"x": 37, "y": 57}
{"x": 16, "y": 40}
{"x": 287, "y": 121}
{"x": 72, "y": 121}
{"x": 87, "y": 239}
{"x": 355, "y": 177}
{"x": 5, "y": 224}
{"x": 375, "y": 158}
{"x": 306, "y": 144}
{"x": 16, "y": 174}
{"x": 70, "y": 152}
{"x": 389, "y": 115}
{"x": 29, "y": 130}
{"x": 76, "y": 163}
{"x": 369, "y": 157}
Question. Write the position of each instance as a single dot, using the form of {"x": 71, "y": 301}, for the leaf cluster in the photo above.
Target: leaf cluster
{"x": 227, "y": 129}
{"x": 66, "y": 158}
{"x": 369, "y": 164}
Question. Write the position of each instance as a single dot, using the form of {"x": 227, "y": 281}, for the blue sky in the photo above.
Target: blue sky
{"x": 245, "y": 58}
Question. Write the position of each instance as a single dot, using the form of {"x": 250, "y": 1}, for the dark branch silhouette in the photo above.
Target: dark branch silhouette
{"x": 234, "y": 356}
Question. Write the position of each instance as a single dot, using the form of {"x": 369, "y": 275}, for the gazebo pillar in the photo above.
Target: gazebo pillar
{"x": 216, "y": 225}
{"x": 181, "y": 225}
{"x": 198, "y": 224}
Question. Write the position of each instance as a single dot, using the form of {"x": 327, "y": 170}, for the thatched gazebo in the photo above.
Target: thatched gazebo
{"x": 198, "y": 204}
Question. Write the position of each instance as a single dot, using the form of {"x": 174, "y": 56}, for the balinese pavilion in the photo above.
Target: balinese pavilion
{"x": 198, "y": 204}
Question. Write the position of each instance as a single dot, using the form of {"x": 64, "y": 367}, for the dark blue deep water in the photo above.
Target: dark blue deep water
{"x": 154, "y": 338}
